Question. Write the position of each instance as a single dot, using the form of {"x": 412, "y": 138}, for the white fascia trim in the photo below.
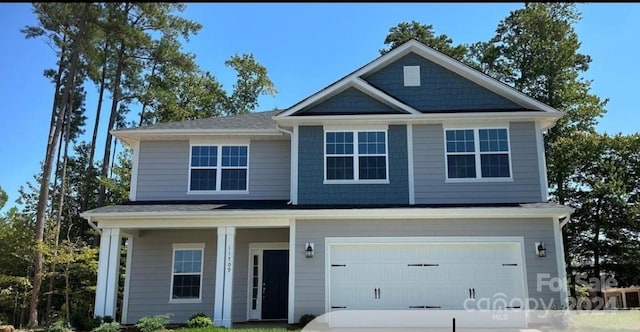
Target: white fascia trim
{"x": 127, "y": 281}
{"x": 410, "y": 165}
{"x": 280, "y": 218}
{"x": 335, "y": 88}
{"x": 560, "y": 258}
{"x": 294, "y": 165}
{"x": 129, "y": 137}
{"x": 547, "y": 119}
{"x": 542, "y": 164}
{"x": 134, "y": 170}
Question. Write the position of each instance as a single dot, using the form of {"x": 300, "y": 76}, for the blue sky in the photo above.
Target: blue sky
{"x": 305, "y": 47}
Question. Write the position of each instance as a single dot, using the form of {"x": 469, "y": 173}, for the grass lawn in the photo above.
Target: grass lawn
{"x": 617, "y": 321}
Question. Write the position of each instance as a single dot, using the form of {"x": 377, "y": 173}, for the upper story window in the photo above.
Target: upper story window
{"x": 218, "y": 168}
{"x": 477, "y": 153}
{"x": 186, "y": 273}
{"x": 356, "y": 156}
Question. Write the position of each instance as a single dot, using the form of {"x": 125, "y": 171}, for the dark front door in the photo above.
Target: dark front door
{"x": 275, "y": 284}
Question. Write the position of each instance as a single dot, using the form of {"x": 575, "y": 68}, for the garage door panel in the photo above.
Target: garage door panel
{"x": 427, "y": 274}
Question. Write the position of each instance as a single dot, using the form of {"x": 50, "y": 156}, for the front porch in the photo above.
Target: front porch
{"x": 231, "y": 273}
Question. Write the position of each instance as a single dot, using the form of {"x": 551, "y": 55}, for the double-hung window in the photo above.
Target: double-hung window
{"x": 186, "y": 274}
{"x": 218, "y": 168}
{"x": 356, "y": 156}
{"x": 477, "y": 153}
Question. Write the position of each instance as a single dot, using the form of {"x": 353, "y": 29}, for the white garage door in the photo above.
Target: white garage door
{"x": 436, "y": 276}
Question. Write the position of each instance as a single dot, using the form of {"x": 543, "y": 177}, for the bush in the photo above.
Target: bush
{"x": 83, "y": 322}
{"x": 153, "y": 323}
{"x": 305, "y": 319}
{"x": 108, "y": 327}
{"x": 59, "y": 326}
{"x": 199, "y": 320}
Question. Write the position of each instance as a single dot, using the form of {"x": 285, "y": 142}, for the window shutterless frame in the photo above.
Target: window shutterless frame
{"x": 477, "y": 155}
{"x": 356, "y": 157}
{"x": 219, "y": 167}
{"x": 186, "y": 247}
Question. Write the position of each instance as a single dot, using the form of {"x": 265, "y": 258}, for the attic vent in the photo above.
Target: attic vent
{"x": 411, "y": 75}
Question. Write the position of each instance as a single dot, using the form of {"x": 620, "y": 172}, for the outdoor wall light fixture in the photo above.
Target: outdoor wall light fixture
{"x": 308, "y": 249}
{"x": 541, "y": 251}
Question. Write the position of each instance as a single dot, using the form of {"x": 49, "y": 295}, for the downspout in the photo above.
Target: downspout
{"x": 565, "y": 220}
{"x": 290, "y": 135}
{"x": 94, "y": 226}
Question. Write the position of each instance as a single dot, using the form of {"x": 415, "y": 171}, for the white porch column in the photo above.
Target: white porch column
{"x": 108, "y": 271}
{"x": 127, "y": 281}
{"x": 623, "y": 293}
{"x": 224, "y": 276}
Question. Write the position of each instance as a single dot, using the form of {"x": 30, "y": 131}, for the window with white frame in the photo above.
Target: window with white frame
{"x": 356, "y": 155}
{"x": 186, "y": 273}
{"x": 218, "y": 168}
{"x": 477, "y": 153}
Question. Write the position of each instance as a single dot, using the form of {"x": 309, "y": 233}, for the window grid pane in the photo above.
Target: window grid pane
{"x": 186, "y": 286}
{"x": 495, "y": 165}
{"x": 234, "y": 156}
{"x": 339, "y": 143}
{"x": 234, "y": 179}
{"x": 203, "y": 179}
{"x": 204, "y": 156}
{"x": 493, "y": 140}
{"x": 372, "y": 168}
{"x": 460, "y": 140}
{"x": 461, "y": 166}
{"x": 371, "y": 142}
{"x": 339, "y": 168}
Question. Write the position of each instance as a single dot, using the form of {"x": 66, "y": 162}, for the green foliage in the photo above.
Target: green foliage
{"x": 153, "y": 323}
{"x": 252, "y": 82}
{"x": 108, "y": 327}
{"x": 83, "y": 321}
{"x": 306, "y": 319}
{"x": 425, "y": 34}
{"x": 59, "y": 326}
{"x": 199, "y": 320}
{"x": 3, "y": 198}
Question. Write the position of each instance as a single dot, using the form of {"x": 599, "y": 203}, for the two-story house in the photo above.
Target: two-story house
{"x": 414, "y": 182}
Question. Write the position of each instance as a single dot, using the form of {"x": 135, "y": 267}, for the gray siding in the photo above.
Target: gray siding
{"x": 150, "y": 284}
{"x": 151, "y": 272}
{"x": 309, "y": 273}
{"x": 163, "y": 172}
{"x": 350, "y": 101}
{"x": 430, "y": 176}
{"x": 311, "y": 189}
{"x": 440, "y": 89}
{"x": 241, "y": 261}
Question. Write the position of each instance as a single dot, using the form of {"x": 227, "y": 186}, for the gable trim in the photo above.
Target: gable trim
{"x": 430, "y": 54}
{"x": 341, "y": 86}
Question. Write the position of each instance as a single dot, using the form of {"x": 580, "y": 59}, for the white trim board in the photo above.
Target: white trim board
{"x": 255, "y": 247}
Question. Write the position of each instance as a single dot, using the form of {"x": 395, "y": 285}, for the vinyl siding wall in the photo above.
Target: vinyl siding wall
{"x": 163, "y": 172}
{"x": 430, "y": 172}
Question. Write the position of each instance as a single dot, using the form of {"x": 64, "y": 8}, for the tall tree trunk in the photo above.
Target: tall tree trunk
{"x": 91, "y": 173}
{"x": 103, "y": 78}
{"x": 61, "y": 193}
{"x": 43, "y": 196}
{"x": 145, "y": 104}
{"x": 112, "y": 120}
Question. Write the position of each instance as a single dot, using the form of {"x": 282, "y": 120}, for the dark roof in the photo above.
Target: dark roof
{"x": 203, "y": 206}
{"x": 254, "y": 120}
